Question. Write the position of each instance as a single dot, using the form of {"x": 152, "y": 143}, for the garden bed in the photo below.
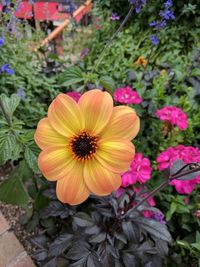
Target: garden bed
{"x": 104, "y": 151}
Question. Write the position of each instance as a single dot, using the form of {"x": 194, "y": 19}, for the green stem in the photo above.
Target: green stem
{"x": 112, "y": 38}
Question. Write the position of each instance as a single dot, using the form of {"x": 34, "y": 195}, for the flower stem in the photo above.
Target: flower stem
{"x": 177, "y": 175}
{"x": 112, "y": 38}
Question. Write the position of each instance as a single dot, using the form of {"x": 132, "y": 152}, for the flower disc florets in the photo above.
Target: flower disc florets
{"x": 84, "y": 146}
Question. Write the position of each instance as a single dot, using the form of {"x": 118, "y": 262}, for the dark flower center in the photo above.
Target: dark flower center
{"x": 84, "y": 145}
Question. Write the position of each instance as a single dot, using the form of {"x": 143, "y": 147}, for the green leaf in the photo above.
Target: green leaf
{"x": 108, "y": 83}
{"x": 31, "y": 159}
{"x": 196, "y": 245}
{"x": 7, "y": 148}
{"x": 40, "y": 201}
{"x": 10, "y": 104}
{"x": 27, "y": 136}
{"x": 71, "y": 76}
{"x": 13, "y": 192}
{"x": 24, "y": 171}
{"x": 183, "y": 244}
{"x": 170, "y": 212}
{"x": 198, "y": 237}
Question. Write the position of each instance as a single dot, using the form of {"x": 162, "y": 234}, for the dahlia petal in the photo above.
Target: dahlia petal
{"x": 115, "y": 154}
{"x": 65, "y": 116}
{"x": 97, "y": 108}
{"x": 124, "y": 123}
{"x": 72, "y": 188}
{"x": 45, "y": 136}
{"x": 54, "y": 162}
{"x": 99, "y": 180}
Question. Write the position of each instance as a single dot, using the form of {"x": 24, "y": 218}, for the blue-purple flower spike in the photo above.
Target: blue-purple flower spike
{"x": 5, "y": 69}
{"x": 138, "y": 4}
{"x": 2, "y": 42}
{"x": 114, "y": 16}
{"x": 154, "y": 39}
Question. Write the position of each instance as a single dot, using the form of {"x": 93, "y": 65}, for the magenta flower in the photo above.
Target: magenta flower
{"x": 184, "y": 187}
{"x": 187, "y": 154}
{"x": 74, "y": 95}
{"x": 128, "y": 179}
{"x": 126, "y": 95}
{"x": 174, "y": 116}
{"x": 139, "y": 171}
{"x": 141, "y": 168}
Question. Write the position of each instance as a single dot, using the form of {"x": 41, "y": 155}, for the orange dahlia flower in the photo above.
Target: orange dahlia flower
{"x": 86, "y": 145}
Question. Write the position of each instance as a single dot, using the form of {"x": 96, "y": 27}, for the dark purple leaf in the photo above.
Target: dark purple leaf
{"x": 129, "y": 260}
{"x": 83, "y": 219}
{"x": 98, "y": 238}
{"x": 131, "y": 231}
{"x": 40, "y": 255}
{"x": 162, "y": 247}
{"x": 121, "y": 237}
{"x": 54, "y": 209}
{"x": 78, "y": 251}
{"x": 154, "y": 228}
{"x": 177, "y": 165}
{"x": 50, "y": 193}
{"x": 39, "y": 241}
{"x": 51, "y": 263}
{"x": 60, "y": 244}
{"x": 92, "y": 230}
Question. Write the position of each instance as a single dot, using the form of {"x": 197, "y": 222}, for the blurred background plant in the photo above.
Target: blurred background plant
{"x": 166, "y": 74}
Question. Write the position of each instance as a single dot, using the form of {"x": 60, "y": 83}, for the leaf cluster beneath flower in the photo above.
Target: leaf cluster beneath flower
{"x": 101, "y": 232}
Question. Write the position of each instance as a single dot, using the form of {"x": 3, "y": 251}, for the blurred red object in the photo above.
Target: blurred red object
{"x": 43, "y": 10}
{"x": 24, "y": 10}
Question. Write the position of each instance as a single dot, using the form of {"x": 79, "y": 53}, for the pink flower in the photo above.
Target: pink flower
{"x": 184, "y": 187}
{"x": 139, "y": 171}
{"x": 141, "y": 168}
{"x": 187, "y": 154}
{"x": 147, "y": 213}
{"x": 174, "y": 116}
{"x": 74, "y": 95}
{"x": 128, "y": 179}
{"x": 127, "y": 95}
